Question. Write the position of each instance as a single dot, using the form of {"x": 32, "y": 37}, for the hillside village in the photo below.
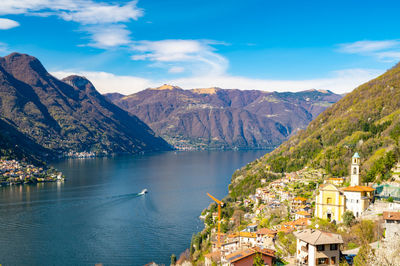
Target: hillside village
{"x": 302, "y": 218}
{"x": 13, "y": 172}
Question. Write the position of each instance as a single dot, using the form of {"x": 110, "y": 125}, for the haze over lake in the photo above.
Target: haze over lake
{"x": 97, "y": 216}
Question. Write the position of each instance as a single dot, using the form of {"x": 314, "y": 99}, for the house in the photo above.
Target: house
{"x": 266, "y": 237}
{"x": 213, "y": 257}
{"x": 392, "y": 224}
{"x": 315, "y": 247}
{"x": 302, "y": 214}
{"x": 358, "y": 198}
{"x": 251, "y": 228}
{"x": 301, "y": 223}
{"x": 337, "y": 181}
{"x": 246, "y": 257}
{"x": 230, "y": 246}
{"x": 330, "y": 203}
{"x": 247, "y": 239}
{"x": 298, "y": 201}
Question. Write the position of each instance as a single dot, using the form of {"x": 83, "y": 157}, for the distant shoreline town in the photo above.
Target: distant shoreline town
{"x": 13, "y": 172}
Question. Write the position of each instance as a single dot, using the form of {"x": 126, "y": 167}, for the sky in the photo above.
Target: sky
{"x": 271, "y": 45}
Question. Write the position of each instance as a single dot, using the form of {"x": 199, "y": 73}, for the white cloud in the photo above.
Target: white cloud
{"x": 6, "y": 24}
{"x": 93, "y": 13}
{"x": 176, "y": 69}
{"x": 4, "y": 49}
{"x": 86, "y": 12}
{"x": 107, "y": 82}
{"x": 111, "y": 36}
{"x": 341, "y": 81}
{"x": 367, "y": 46}
{"x": 198, "y": 56}
{"x": 385, "y": 50}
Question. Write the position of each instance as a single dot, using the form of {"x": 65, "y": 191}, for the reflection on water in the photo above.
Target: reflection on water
{"x": 97, "y": 215}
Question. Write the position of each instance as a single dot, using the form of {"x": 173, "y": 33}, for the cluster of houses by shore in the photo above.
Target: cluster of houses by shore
{"x": 16, "y": 172}
{"x": 328, "y": 201}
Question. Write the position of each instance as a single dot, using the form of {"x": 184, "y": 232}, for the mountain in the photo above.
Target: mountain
{"x": 69, "y": 114}
{"x": 366, "y": 121}
{"x": 220, "y": 118}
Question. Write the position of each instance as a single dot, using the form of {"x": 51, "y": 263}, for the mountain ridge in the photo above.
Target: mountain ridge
{"x": 69, "y": 114}
{"x": 224, "y": 118}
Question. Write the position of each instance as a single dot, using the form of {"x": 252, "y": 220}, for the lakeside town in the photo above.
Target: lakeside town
{"x": 303, "y": 218}
{"x": 13, "y": 172}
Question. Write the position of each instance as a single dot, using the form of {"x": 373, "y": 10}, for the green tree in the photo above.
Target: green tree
{"x": 362, "y": 256}
{"x": 348, "y": 218}
{"x": 258, "y": 260}
{"x": 173, "y": 259}
{"x": 365, "y": 231}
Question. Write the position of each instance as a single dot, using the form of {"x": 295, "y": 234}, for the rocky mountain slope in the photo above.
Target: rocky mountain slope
{"x": 219, "y": 118}
{"x": 69, "y": 114}
{"x": 366, "y": 121}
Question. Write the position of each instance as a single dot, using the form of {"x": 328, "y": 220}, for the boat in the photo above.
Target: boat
{"x": 144, "y": 191}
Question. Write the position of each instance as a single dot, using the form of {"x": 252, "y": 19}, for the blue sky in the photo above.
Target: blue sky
{"x": 280, "y": 45}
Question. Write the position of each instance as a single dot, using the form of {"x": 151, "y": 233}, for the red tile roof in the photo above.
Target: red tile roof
{"x": 394, "y": 216}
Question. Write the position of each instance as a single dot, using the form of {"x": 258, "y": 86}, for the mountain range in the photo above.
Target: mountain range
{"x": 224, "y": 118}
{"x": 46, "y": 116}
{"x": 366, "y": 121}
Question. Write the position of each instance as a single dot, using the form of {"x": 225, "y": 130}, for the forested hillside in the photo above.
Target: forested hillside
{"x": 366, "y": 120}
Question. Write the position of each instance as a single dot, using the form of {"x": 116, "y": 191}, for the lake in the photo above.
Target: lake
{"x": 97, "y": 216}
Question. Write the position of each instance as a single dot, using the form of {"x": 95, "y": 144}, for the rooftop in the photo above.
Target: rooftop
{"x": 394, "y": 216}
{"x": 316, "y": 237}
{"x": 356, "y": 155}
{"x": 239, "y": 255}
{"x": 359, "y": 189}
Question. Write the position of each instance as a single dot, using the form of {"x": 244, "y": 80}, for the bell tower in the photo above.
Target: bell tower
{"x": 355, "y": 170}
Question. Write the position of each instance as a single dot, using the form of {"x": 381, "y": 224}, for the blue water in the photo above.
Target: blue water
{"x": 97, "y": 216}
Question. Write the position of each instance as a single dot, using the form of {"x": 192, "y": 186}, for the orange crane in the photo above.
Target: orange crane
{"x": 220, "y": 204}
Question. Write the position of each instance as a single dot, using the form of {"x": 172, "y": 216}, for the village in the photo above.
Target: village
{"x": 304, "y": 218}
{"x": 13, "y": 172}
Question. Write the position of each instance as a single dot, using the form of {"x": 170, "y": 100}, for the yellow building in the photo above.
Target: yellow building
{"x": 329, "y": 203}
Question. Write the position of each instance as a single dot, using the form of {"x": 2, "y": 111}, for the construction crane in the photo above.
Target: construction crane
{"x": 220, "y": 204}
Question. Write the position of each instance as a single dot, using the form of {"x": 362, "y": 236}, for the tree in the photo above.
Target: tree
{"x": 258, "y": 260}
{"x": 362, "y": 256}
{"x": 173, "y": 259}
{"x": 365, "y": 231}
{"x": 348, "y": 218}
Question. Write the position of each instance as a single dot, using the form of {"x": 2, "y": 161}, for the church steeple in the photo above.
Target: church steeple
{"x": 355, "y": 170}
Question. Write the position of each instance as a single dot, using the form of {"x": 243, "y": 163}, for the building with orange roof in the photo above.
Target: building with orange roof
{"x": 246, "y": 257}
{"x": 266, "y": 237}
{"x": 358, "y": 198}
{"x": 298, "y": 201}
{"x": 302, "y": 223}
{"x": 302, "y": 214}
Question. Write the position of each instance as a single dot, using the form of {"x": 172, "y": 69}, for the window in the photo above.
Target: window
{"x": 329, "y": 200}
{"x": 357, "y": 201}
{"x": 334, "y": 246}
{"x": 320, "y": 248}
{"x": 322, "y": 261}
{"x": 354, "y": 170}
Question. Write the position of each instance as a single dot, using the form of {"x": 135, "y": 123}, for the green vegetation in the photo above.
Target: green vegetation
{"x": 348, "y": 218}
{"x": 258, "y": 261}
{"x": 366, "y": 121}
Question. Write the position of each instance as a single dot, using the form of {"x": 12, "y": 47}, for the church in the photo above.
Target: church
{"x": 332, "y": 202}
